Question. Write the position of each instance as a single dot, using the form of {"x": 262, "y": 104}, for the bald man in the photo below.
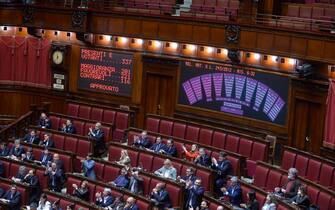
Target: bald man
{"x": 131, "y": 204}
{"x": 98, "y": 136}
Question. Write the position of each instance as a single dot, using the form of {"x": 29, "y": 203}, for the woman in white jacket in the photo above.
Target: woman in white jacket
{"x": 270, "y": 203}
{"x": 44, "y": 204}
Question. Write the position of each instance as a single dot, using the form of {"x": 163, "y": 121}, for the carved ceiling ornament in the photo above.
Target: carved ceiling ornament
{"x": 78, "y": 18}
{"x": 28, "y": 14}
{"x": 232, "y": 33}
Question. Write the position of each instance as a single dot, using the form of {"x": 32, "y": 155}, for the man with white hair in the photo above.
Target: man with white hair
{"x": 167, "y": 170}
{"x": 105, "y": 198}
{"x": 131, "y": 204}
{"x": 290, "y": 188}
{"x": 44, "y": 121}
{"x": 142, "y": 141}
{"x": 98, "y": 135}
{"x": 234, "y": 192}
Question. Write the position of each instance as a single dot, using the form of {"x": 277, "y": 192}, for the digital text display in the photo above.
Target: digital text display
{"x": 105, "y": 71}
{"x": 234, "y": 90}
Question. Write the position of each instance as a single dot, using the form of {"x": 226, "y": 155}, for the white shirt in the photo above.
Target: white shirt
{"x": 270, "y": 206}
{"x": 45, "y": 206}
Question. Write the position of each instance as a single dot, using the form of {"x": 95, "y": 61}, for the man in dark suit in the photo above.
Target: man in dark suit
{"x": 158, "y": 146}
{"x": 203, "y": 159}
{"x": 4, "y": 150}
{"x": 31, "y": 138}
{"x": 105, "y": 198}
{"x": 188, "y": 177}
{"x": 45, "y": 157}
{"x": 17, "y": 150}
{"x": 44, "y": 121}
{"x": 223, "y": 167}
{"x": 98, "y": 136}
{"x": 136, "y": 183}
{"x": 170, "y": 149}
{"x": 28, "y": 156}
{"x": 142, "y": 141}
{"x": 32, "y": 180}
{"x": 290, "y": 188}
{"x": 234, "y": 192}
{"x": 47, "y": 141}
{"x": 13, "y": 198}
{"x": 55, "y": 177}
{"x": 68, "y": 127}
{"x": 131, "y": 204}
{"x": 2, "y": 170}
{"x": 160, "y": 197}
{"x": 194, "y": 194}
{"x": 122, "y": 180}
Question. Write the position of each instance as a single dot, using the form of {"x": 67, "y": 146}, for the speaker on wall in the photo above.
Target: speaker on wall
{"x": 234, "y": 56}
{"x": 84, "y": 37}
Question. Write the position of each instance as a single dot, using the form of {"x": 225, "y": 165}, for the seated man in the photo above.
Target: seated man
{"x": 122, "y": 180}
{"x": 234, "y": 192}
{"x": 31, "y": 138}
{"x": 13, "y": 198}
{"x": 131, "y": 204}
{"x": 88, "y": 167}
{"x": 58, "y": 161}
{"x": 135, "y": 183}
{"x": 44, "y": 121}
{"x": 157, "y": 147}
{"x": 28, "y": 156}
{"x": 45, "y": 158}
{"x": 81, "y": 192}
{"x": 105, "y": 198}
{"x": 47, "y": 141}
{"x": 223, "y": 168}
{"x": 21, "y": 174}
{"x": 68, "y": 127}
{"x": 167, "y": 170}
{"x": 194, "y": 194}
{"x": 32, "y": 180}
{"x": 142, "y": 141}
{"x": 55, "y": 177}
{"x": 17, "y": 150}
{"x": 4, "y": 149}
{"x": 160, "y": 197}
{"x": 170, "y": 149}
{"x": 98, "y": 136}
{"x": 188, "y": 177}
{"x": 290, "y": 188}
{"x": 203, "y": 159}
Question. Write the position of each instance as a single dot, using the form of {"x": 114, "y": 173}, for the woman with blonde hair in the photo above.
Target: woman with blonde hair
{"x": 124, "y": 158}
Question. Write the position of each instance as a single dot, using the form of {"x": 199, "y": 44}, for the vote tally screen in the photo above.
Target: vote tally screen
{"x": 235, "y": 90}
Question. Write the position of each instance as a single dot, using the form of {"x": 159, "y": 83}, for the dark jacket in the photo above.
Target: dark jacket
{"x": 302, "y": 201}
{"x": 204, "y": 160}
{"x": 48, "y": 144}
{"x": 136, "y": 185}
{"x": 161, "y": 199}
{"x": 31, "y": 139}
{"x": 235, "y": 195}
{"x": 34, "y": 183}
{"x": 81, "y": 193}
{"x": 4, "y": 152}
{"x": 69, "y": 129}
{"x": 55, "y": 180}
{"x": 14, "y": 200}
{"x": 45, "y": 123}
{"x": 194, "y": 197}
{"x": 45, "y": 159}
{"x": 170, "y": 151}
{"x": 17, "y": 151}
{"x": 254, "y": 205}
{"x": 142, "y": 143}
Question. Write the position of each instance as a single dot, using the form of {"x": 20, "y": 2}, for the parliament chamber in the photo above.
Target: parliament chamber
{"x": 167, "y": 104}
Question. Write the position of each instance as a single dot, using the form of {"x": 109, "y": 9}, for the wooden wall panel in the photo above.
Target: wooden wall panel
{"x": 329, "y": 50}
{"x": 248, "y": 39}
{"x": 298, "y": 45}
{"x": 132, "y": 27}
{"x": 282, "y": 43}
{"x": 116, "y": 25}
{"x": 216, "y": 36}
{"x": 167, "y": 31}
{"x": 184, "y": 32}
{"x": 315, "y": 48}
{"x": 265, "y": 41}
{"x": 200, "y": 34}
{"x": 149, "y": 29}
{"x": 101, "y": 24}
{"x": 7, "y": 17}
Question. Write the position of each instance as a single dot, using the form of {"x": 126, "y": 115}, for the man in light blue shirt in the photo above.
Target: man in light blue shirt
{"x": 88, "y": 167}
{"x": 167, "y": 171}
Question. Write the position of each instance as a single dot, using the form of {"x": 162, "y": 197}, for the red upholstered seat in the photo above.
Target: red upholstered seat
{"x": 146, "y": 185}
{"x": 133, "y": 155}
{"x": 70, "y": 144}
{"x": 157, "y": 163}
{"x": 69, "y": 182}
{"x": 333, "y": 183}
{"x": 43, "y": 179}
{"x": 145, "y": 160}
{"x": 67, "y": 162}
{"x": 121, "y": 121}
{"x": 131, "y": 136}
{"x": 251, "y": 167}
{"x": 235, "y": 162}
{"x": 205, "y": 136}
{"x": 332, "y": 203}
{"x": 258, "y": 151}
{"x": 99, "y": 170}
{"x": 64, "y": 203}
{"x": 14, "y": 168}
{"x": 261, "y": 176}
{"x": 192, "y": 133}
{"x": 142, "y": 204}
{"x": 152, "y": 124}
{"x": 326, "y": 175}
{"x": 87, "y": 128}
{"x": 232, "y": 143}
{"x": 83, "y": 148}
{"x": 72, "y": 109}
{"x": 179, "y": 147}
{"x": 110, "y": 173}
{"x": 219, "y": 140}
{"x": 175, "y": 194}
{"x": 205, "y": 176}
{"x": 58, "y": 140}
{"x": 84, "y": 112}
{"x": 213, "y": 206}
{"x": 324, "y": 200}
{"x": 107, "y": 132}
{"x": 23, "y": 193}
{"x": 98, "y": 189}
{"x": 91, "y": 189}
{"x": 52, "y": 198}
{"x": 114, "y": 153}
{"x": 245, "y": 190}
{"x": 260, "y": 198}
{"x": 77, "y": 207}
{"x": 301, "y": 164}
{"x": 109, "y": 116}
{"x": 179, "y": 130}
{"x": 96, "y": 114}
{"x": 313, "y": 193}
{"x": 273, "y": 181}
{"x": 79, "y": 127}
{"x": 313, "y": 170}
{"x": 245, "y": 147}
{"x": 153, "y": 183}
{"x": 54, "y": 122}
{"x": 6, "y": 166}
{"x": 178, "y": 167}
{"x": 288, "y": 160}
{"x": 165, "y": 127}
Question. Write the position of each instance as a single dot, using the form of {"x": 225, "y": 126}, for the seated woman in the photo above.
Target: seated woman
{"x": 124, "y": 158}
{"x": 44, "y": 204}
{"x": 82, "y": 191}
{"x": 270, "y": 203}
{"x": 192, "y": 154}
{"x": 301, "y": 199}
{"x": 252, "y": 203}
